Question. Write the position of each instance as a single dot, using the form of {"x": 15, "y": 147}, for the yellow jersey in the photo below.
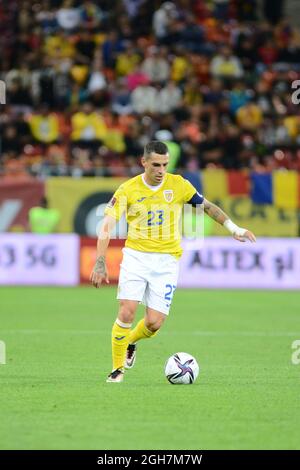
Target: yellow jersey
{"x": 153, "y": 213}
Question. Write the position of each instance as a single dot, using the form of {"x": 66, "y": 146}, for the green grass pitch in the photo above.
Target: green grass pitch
{"x": 53, "y": 393}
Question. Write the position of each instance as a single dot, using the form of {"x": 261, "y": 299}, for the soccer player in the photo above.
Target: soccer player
{"x": 153, "y": 203}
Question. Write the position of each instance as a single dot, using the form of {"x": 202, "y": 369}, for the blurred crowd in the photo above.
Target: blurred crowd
{"x": 89, "y": 82}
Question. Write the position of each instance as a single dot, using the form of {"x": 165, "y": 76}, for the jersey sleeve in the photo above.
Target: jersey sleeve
{"x": 189, "y": 191}
{"x": 118, "y": 204}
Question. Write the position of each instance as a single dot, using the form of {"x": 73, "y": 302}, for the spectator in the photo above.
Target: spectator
{"x": 127, "y": 61}
{"x": 246, "y": 52}
{"x": 111, "y": 48}
{"x": 14, "y": 167}
{"x": 191, "y": 36}
{"x": 121, "y": 99}
{"x": 136, "y": 78}
{"x": 19, "y": 97}
{"x": 226, "y": 65}
{"x": 155, "y": 66}
{"x": 238, "y": 97}
{"x": 68, "y": 17}
{"x": 88, "y": 126}
{"x": 9, "y": 141}
{"x": 169, "y": 98}
{"x": 85, "y": 45}
{"x": 44, "y": 126}
{"x": 145, "y": 99}
{"x": 42, "y": 219}
{"x": 97, "y": 80}
{"x": 181, "y": 66}
{"x": 91, "y": 15}
{"x": 162, "y": 19}
{"x": 268, "y": 53}
{"x": 249, "y": 117}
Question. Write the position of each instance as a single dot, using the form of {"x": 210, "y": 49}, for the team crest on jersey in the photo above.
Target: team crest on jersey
{"x": 168, "y": 195}
{"x": 112, "y": 202}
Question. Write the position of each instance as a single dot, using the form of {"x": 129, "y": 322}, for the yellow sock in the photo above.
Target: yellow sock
{"x": 119, "y": 340}
{"x": 140, "y": 332}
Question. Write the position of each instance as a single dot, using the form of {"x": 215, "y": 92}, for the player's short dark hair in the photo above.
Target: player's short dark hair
{"x": 155, "y": 146}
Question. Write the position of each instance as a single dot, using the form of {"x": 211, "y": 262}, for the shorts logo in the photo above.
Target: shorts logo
{"x": 141, "y": 199}
{"x": 112, "y": 202}
{"x": 168, "y": 195}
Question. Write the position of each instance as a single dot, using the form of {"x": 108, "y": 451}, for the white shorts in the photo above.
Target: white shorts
{"x": 150, "y": 278}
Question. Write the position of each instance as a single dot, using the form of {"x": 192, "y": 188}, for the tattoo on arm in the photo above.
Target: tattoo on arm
{"x": 215, "y": 212}
{"x": 100, "y": 267}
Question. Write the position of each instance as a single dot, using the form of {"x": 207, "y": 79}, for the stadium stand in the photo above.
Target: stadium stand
{"x": 88, "y": 86}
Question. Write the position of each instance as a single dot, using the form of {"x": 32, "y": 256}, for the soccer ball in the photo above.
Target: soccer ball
{"x": 181, "y": 368}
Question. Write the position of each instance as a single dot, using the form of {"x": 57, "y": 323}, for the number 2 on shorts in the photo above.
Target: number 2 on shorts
{"x": 170, "y": 292}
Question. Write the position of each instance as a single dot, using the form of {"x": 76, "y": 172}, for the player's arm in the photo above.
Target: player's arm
{"x": 219, "y": 216}
{"x": 100, "y": 272}
{"x": 113, "y": 212}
